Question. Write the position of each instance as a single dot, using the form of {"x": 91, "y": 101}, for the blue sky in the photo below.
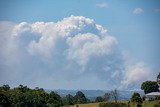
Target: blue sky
{"x": 137, "y": 33}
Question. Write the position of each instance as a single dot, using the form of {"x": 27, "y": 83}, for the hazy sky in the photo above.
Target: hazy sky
{"x": 79, "y": 44}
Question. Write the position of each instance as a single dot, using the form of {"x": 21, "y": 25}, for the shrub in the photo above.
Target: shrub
{"x": 99, "y": 99}
{"x": 158, "y": 98}
{"x": 136, "y": 98}
{"x": 139, "y": 105}
{"x": 157, "y": 104}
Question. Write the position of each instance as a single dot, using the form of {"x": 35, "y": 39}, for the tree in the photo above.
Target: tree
{"x": 107, "y": 96}
{"x": 54, "y": 100}
{"x": 29, "y": 97}
{"x": 99, "y": 99}
{"x": 69, "y": 99}
{"x": 80, "y": 98}
{"x": 114, "y": 94}
{"x": 5, "y": 87}
{"x": 22, "y": 88}
{"x": 136, "y": 98}
{"x": 4, "y": 100}
{"x": 22, "y": 96}
{"x": 150, "y": 86}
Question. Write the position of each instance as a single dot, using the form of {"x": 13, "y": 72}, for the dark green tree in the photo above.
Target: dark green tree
{"x": 69, "y": 99}
{"x": 22, "y": 88}
{"x": 136, "y": 98}
{"x": 4, "y": 100}
{"x": 4, "y": 88}
{"x": 35, "y": 98}
{"x": 114, "y": 95}
{"x": 80, "y": 98}
{"x": 22, "y": 96}
{"x": 107, "y": 96}
{"x": 99, "y": 99}
{"x": 150, "y": 86}
{"x": 54, "y": 100}
{"x": 17, "y": 97}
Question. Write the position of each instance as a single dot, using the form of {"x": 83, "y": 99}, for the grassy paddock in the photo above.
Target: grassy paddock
{"x": 144, "y": 104}
{"x": 86, "y": 105}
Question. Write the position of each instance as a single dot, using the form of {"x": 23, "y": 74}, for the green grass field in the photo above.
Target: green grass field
{"x": 145, "y": 104}
{"x": 86, "y": 105}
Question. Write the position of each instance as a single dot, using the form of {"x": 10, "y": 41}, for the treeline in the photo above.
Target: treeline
{"x": 112, "y": 95}
{"x": 22, "y": 96}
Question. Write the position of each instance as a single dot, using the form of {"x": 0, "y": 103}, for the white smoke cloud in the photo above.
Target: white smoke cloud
{"x": 136, "y": 72}
{"x": 84, "y": 46}
{"x": 102, "y": 5}
{"x": 64, "y": 55}
{"x": 138, "y": 11}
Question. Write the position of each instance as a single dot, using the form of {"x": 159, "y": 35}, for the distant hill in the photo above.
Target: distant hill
{"x": 92, "y": 94}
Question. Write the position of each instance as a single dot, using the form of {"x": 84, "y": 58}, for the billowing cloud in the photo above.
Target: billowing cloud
{"x": 138, "y": 11}
{"x": 72, "y": 53}
{"x": 136, "y": 72}
{"x": 102, "y": 5}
